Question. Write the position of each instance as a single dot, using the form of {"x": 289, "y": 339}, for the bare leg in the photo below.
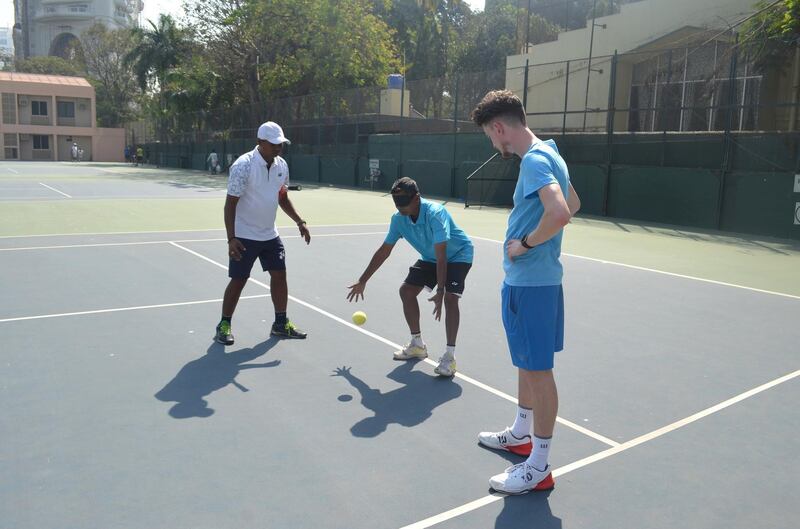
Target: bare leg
{"x": 452, "y": 317}
{"x": 408, "y": 294}
{"x": 279, "y": 289}
{"x": 537, "y": 391}
{"x": 232, "y": 293}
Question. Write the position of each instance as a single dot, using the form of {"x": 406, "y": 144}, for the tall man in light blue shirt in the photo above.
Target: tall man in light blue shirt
{"x": 445, "y": 259}
{"x": 532, "y": 298}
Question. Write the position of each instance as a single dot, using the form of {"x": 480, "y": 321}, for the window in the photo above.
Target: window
{"x": 80, "y": 8}
{"x": 38, "y": 108}
{"x": 66, "y": 109}
{"x": 9, "y": 109}
{"x": 41, "y": 142}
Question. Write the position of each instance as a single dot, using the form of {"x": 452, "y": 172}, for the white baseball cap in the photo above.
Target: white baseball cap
{"x": 273, "y": 133}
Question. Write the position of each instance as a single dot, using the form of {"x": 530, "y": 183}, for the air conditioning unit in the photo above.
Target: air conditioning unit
{"x": 23, "y": 101}
{"x": 24, "y": 137}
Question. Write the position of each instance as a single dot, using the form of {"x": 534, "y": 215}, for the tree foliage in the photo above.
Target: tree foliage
{"x": 772, "y": 34}
{"x": 115, "y": 85}
{"x": 50, "y": 66}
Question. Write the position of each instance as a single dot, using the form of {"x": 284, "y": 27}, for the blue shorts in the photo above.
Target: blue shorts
{"x": 534, "y": 321}
{"x": 271, "y": 254}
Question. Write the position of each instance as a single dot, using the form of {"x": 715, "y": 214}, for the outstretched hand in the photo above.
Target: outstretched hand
{"x": 356, "y": 291}
{"x": 341, "y": 371}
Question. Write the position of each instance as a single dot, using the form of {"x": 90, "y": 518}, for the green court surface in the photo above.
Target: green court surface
{"x": 749, "y": 261}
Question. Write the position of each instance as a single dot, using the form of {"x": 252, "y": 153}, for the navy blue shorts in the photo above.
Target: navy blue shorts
{"x": 270, "y": 253}
{"x": 534, "y": 321}
{"x": 423, "y": 274}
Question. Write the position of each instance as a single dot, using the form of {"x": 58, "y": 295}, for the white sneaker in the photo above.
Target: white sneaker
{"x": 447, "y": 366}
{"x": 521, "y": 479}
{"x": 410, "y": 351}
{"x": 506, "y": 440}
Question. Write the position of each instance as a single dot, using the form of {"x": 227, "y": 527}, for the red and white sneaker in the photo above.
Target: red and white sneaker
{"x": 507, "y": 441}
{"x": 521, "y": 479}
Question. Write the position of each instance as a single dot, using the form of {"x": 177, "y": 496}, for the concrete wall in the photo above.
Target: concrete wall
{"x": 109, "y": 145}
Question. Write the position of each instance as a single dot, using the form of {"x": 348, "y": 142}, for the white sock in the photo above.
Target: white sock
{"x": 450, "y": 350}
{"x": 416, "y": 340}
{"x": 540, "y": 452}
{"x": 523, "y": 423}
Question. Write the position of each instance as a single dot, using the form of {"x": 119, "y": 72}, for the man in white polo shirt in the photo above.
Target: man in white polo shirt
{"x": 257, "y": 185}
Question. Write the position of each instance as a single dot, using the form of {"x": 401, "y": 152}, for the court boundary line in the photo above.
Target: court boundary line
{"x": 54, "y": 189}
{"x": 165, "y": 241}
{"x": 467, "y": 379}
{"x": 174, "y": 231}
{"x": 664, "y": 272}
{"x": 122, "y": 309}
{"x": 599, "y": 456}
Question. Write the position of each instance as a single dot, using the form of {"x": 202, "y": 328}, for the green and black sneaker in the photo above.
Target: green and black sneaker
{"x": 224, "y": 335}
{"x": 287, "y": 330}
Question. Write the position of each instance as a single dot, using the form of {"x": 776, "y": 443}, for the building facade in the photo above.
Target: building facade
{"x": 677, "y": 69}
{"x": 53, "y": 27}
{"x": 44, "y": 115}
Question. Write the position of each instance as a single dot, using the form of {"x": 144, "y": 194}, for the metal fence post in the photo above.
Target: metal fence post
{"x": 727, "y": 142}
{"x": 610, "y": 114}
{"x": 453, "y": 171}
{"x": 566, "y": 99}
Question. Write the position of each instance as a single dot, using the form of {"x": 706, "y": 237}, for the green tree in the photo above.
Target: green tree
{"x": 157, "y": 49}
{"x": 771, "y": 35}
{"x": 50, "y": 66}
{"x": 115, "y": 85}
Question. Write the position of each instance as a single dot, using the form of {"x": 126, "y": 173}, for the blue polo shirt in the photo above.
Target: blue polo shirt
{"x": 434, "y": 225}
{"x": 542, "y": 165}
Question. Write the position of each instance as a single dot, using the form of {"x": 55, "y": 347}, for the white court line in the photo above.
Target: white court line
{"x": 123, "y": 309}
{"x": 12, "y": 170}
{"x": 139, "y": 243}
{"x": 390, "y": 343}
{"x": 722, "y": 283}
{"x": 54, "y": 189}
{"x": 174, "y": 231}
{"x": 482, "y": 502}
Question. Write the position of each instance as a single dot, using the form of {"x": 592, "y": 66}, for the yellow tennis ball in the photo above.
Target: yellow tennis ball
{"x": 359, "y": 317}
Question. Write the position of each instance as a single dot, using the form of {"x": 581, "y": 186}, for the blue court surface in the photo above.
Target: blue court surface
{"x": 677, "y": 395}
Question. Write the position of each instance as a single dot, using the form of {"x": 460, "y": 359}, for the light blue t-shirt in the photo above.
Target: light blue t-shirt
{"x": 542, "y": 165}
{"x": 434, "y": 225}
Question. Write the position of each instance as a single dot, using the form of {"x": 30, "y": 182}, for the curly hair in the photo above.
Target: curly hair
{"x": 498, "y": 103}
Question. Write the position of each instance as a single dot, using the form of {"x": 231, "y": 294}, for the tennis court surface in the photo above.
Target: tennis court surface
{"x": 678, "y": 390}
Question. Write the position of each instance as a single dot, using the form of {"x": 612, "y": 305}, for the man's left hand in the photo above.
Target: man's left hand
{"x": 514, "y": 248}
{"x": 437, "y": 304}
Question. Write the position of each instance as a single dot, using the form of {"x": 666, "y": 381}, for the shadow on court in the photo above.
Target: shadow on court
{"x": 207, "y": 374}
{"x": 407, "y": 406}
{"x": 525, "y": 512}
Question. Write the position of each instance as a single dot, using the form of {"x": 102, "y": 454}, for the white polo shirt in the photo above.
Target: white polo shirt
{"x": 257, "y": 188}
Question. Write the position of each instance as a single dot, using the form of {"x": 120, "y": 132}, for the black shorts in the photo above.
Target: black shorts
{"x": 423, "y": 274}
{"x": 270, "y": 253}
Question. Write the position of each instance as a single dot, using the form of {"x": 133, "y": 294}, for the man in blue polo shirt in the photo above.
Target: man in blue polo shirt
{"x": 532, "y": 296}
{"x": 445, "y": 259}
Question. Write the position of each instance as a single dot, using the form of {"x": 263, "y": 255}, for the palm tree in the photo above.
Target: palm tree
{"x": 159, "y": 48}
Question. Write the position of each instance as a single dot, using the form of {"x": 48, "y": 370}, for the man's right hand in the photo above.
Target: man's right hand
{"x": 355, "y": 291}
{"x": 235, "y": 249}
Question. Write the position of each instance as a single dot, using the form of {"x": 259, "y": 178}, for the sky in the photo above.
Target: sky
{"x": 152, "y": 8}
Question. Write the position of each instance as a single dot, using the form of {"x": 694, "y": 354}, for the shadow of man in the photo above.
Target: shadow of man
{"x": 526, "y": 512}
{"x": 407, "y": 406}
{"x": 205, "y": 375}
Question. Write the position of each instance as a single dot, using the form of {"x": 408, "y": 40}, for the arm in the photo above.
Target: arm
{"x": 573, "y": 201}
{"x": 288, "y": 208}
{"x": 235, "y": 246}
{"x": 556, "y": 216}
{"x": 441, "y": 278}
{"x": 381, "y": 254}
